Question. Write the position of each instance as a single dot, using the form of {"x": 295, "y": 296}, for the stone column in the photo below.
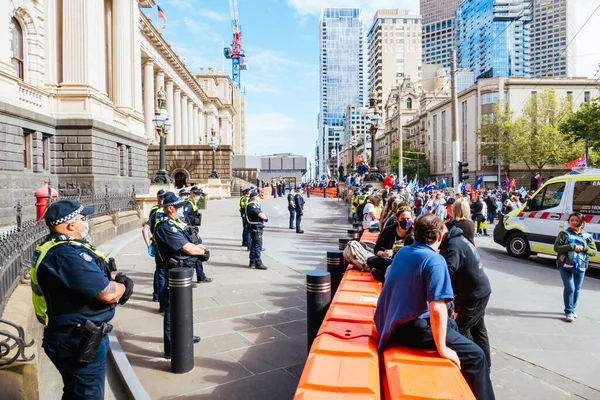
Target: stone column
{"x": 195, "y": 114}
{"x": 177, "y": 116}
{"x": 170, "y": 110}
{"x": 201, "y": 126}
{"x": 136, "y": 57}
{"x": 191, "y": 132}
{"x": 149, "y": 93}
{"x": 159, "y": 85}
{"x": 123, "y": 73}
{"x": 184, "y": 119}
{"x": 83, "y": 36}
{"x": 51, "y": 41}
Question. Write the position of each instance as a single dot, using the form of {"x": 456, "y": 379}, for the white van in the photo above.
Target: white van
{"x": 533, "y": 228}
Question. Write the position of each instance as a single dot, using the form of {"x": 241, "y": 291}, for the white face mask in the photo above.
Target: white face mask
{"x": 86, "y": 231}
{"x": 180, "y": 212}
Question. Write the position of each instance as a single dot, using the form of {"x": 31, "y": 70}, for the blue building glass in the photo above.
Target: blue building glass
{"x": 492, "y": 37}
{"x": 341, "y": 63}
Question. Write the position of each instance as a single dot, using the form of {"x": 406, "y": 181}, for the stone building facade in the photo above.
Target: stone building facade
{"x": 82, "y": 117}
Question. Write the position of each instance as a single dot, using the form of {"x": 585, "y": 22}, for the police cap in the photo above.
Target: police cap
{"x": 197, "y": 192}
{"x": 247, "y": 190}
{"x": 65, "y": 210}
{"x": 161, "y": 193}
{"x": 171, "y": 199}
{"x": 254, "y": 195}
{"x": 184, "y": 191}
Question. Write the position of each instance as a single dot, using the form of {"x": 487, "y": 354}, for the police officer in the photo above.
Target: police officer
{"x": 146, "y": 234}
{"x": 75, "y": 296}
{"x": 174, "y": 244}
{"x": 184, "y": 194}
{"x": 291, "y": 207}
{"x": 299, "y": 207}
{"x": 256, "y": 219}
{"x": 243, "y": 202}
{"x": 193, "y": 217}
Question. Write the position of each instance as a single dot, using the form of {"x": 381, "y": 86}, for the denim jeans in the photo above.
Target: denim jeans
{"x": 572, "y": 280}
{"x": 81, "y": 381}
{"x": 490, "y": 216}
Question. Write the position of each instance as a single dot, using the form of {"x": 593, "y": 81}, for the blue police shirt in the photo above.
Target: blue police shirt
{"x": 71, "y": 277}
{"x": 170, "y": 240}
{"x": 417, "y": 276}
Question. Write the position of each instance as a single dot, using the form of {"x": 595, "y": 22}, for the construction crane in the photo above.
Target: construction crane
{"x": 235, "y": 53}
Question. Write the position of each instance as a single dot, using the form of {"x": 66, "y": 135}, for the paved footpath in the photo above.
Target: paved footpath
{"x": 253, "y": 323}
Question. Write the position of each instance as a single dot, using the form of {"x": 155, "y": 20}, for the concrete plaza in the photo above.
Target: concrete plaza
{"x": 253, "y": 323}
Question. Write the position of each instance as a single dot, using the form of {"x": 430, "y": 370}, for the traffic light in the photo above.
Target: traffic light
{"x": 462, "y": 171}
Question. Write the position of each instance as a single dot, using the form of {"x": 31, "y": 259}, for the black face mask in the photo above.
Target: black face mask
{"x": 406, "y": 224}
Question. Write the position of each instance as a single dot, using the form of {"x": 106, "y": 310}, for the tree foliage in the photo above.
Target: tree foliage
{"x": 534, "y": 139}
{"x": 585, "y": 123}
{"x": 414, "y": 162}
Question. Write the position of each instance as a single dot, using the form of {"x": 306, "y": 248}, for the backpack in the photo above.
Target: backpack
{"x": 356, "y": 255}
{"x": 360, "y": 211}
{"x": 572, "y": 259}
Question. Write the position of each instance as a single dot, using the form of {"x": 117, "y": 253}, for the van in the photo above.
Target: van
{"x": 533, "y": 228}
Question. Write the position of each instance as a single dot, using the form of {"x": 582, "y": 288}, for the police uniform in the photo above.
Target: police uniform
{"x": 255, "y": 226}
{"x": 67, "y": 274}
{"x": 291, "y": 208}
{"x": 243, "y": 202}
{"x": 170, "y": 236}
{"x": 299, "y": 205}
{"x": 151, "y": 249}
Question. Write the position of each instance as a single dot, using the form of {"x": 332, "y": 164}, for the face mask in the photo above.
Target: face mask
{"x": 406, "y": 224}
{"x": 86, "y": 231}
{"x": 180, "y": 212}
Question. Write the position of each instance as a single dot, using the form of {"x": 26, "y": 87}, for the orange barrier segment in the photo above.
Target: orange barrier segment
{"x": 369, "y": 236}
{"x": 331, "y": 192}
{"x": 348, "y": 368}
{"x": 359, "y": 276}
{"x": 421, "y": 374}
{"x": 363, "y": 287}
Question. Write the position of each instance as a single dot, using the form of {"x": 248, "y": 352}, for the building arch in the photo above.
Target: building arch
{"x": 181, "y": 177}
{"x": 33, "y": 51}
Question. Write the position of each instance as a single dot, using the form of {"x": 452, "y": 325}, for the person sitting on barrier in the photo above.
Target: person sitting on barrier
{"x": 371, "y": 212}
{"x": 175, "y": 248}
{"x": 471, "y": 287}
{"x": 412, "y": 307}
{"x": 391, "y": 240}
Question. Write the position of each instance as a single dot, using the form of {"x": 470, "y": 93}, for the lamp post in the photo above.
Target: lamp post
{"x": 353, "y": 144}
{"x": 375, "y": 122}
{"x": 214, "y": 144}
{"x": 162, "y": 124}
{"x": 334, "y": 156}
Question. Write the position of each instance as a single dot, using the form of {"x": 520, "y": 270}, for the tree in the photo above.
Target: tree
{"x": 415, "y": 162}
{"x": 585, "y": 123}
{"x": 534, "y": 139}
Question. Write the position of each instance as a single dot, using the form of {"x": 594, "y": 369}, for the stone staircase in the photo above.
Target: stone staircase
{"x": 238, "y": 185}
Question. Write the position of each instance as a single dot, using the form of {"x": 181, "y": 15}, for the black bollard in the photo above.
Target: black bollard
{"x": 324, "y": 192}
{"x": 336, "y": 267}
{"x": 182, "y": 318}
{"x": 343, "y": 242}
{"x": 318, "y": 297}
{"x": 354, "y": 234}
{"x": 308, "y": 192}
{"x": 358, "y": 226}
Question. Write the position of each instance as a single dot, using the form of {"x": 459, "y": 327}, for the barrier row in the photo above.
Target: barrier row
{"x": 327, "y": 192}
{"x": 343, "y": 361}
{"x": 266, "y": 192}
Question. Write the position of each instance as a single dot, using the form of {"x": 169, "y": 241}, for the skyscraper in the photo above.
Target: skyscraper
{"x": 394, "y": 52}
{"x": 438, "y": 30}
{"x": 492, "y": 37}
{"x": 552, "y": 29}
{"x": 341, "y": 62}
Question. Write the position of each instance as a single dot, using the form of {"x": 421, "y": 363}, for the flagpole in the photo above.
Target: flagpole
{"x": 587, "y": 151}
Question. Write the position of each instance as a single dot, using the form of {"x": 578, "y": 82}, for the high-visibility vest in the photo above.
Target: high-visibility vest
{"x": 39, "y": 302}
{"x": 178, "y": 223}
{"x": 246, "y": 212}
{"x": 192, "y": 203}
{"x": 243, "y": 203}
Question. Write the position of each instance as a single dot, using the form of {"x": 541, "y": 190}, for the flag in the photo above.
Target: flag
{"x": 507, "y": 182}
{"x": 463, "y": 186}
{"x": 512, "y": 184}
{"x": 161, "y": 15}
{"x": 444, "y": 185}
{"x": 478, "y": 183}
{"x": 468, "y": 186}
{"x": 404, "y": 180}
{"x": 578, "y": 162}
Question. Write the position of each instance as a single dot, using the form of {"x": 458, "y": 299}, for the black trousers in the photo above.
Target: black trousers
{"x": 473, "y": 365}
{"x": 298, "y": 220}
{"x": 292, "y": 212}
{"x": 256, "y": 244}
{"x": 471, "y": 323}
{"x": 378, "y": 263}
{"x": 244, "y": 232}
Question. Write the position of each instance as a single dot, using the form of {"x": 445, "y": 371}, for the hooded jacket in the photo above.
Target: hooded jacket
{"x": 469, "y": 281}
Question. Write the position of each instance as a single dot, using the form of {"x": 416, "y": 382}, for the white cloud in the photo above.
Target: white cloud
{"x": 275, "y": 132}
{"x": 587, "y": 50}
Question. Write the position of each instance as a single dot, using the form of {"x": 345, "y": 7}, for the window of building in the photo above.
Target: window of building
{"x": 409, "y": 103}
{"x": 586, "y": 97}
{"x": 16, "y": 47}
{"x": 46, "y": 152}
{"x": 27, "y": 149}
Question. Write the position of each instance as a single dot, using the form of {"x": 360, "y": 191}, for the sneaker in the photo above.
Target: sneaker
{"x": 168, "y": 356}
{"x": 261, "y": 266}
{"x": 299, "y": 231}
{"x": 570, "y": 318}
{"x": 252, "y": 265}
{"x": 574, "y": 315}
{"x": 206, "y": 280}
{"x": 161, "y": 310}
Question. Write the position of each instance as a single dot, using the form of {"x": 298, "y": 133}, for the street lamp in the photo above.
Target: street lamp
{"x": 375, "y": 122}
{"x": 334, "y": 154}
{"x": 214, "y": 144}
{"x": 353, "y": 144}
{"x": 162, "y": 124}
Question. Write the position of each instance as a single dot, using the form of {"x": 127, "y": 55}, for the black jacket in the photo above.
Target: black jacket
{"x": 469, "y": 281}
{"x": 388, "y": 237}
{"x": 467, "y": 226}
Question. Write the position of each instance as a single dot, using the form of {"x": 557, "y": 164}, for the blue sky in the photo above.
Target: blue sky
{"x": 281, "y": 41}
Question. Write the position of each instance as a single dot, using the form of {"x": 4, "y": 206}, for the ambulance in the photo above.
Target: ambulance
{"x": 533, "y": 228}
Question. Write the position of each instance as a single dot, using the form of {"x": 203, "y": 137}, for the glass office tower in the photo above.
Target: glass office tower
{"x": 493, "y": 37}
{"x": 341, "y": 63}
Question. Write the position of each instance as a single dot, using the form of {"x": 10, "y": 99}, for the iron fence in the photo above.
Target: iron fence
{"x": 18, "y": 243}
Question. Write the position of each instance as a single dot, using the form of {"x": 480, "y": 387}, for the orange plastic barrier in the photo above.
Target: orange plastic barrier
{"x": 369, "y": 236}
{"x": 331, "y": 192}
{"x": 266, "y": 192}
{"x": 421, "y": 374}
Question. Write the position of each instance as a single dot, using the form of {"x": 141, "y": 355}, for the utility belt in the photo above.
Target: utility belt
{"x": 188, "y": 261}
{"x": 195, "y": 219}
{"x": 91, "y": 336}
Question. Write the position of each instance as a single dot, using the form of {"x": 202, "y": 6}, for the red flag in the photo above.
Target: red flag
{"x": 512, "y": 184}
{"x": 578, "y": 162}
{"x": 507, "y": 182}
{"x": 161, "y": 15}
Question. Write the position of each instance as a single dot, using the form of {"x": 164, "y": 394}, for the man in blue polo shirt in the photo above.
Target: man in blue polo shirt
{"x": 412, "y": 309}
